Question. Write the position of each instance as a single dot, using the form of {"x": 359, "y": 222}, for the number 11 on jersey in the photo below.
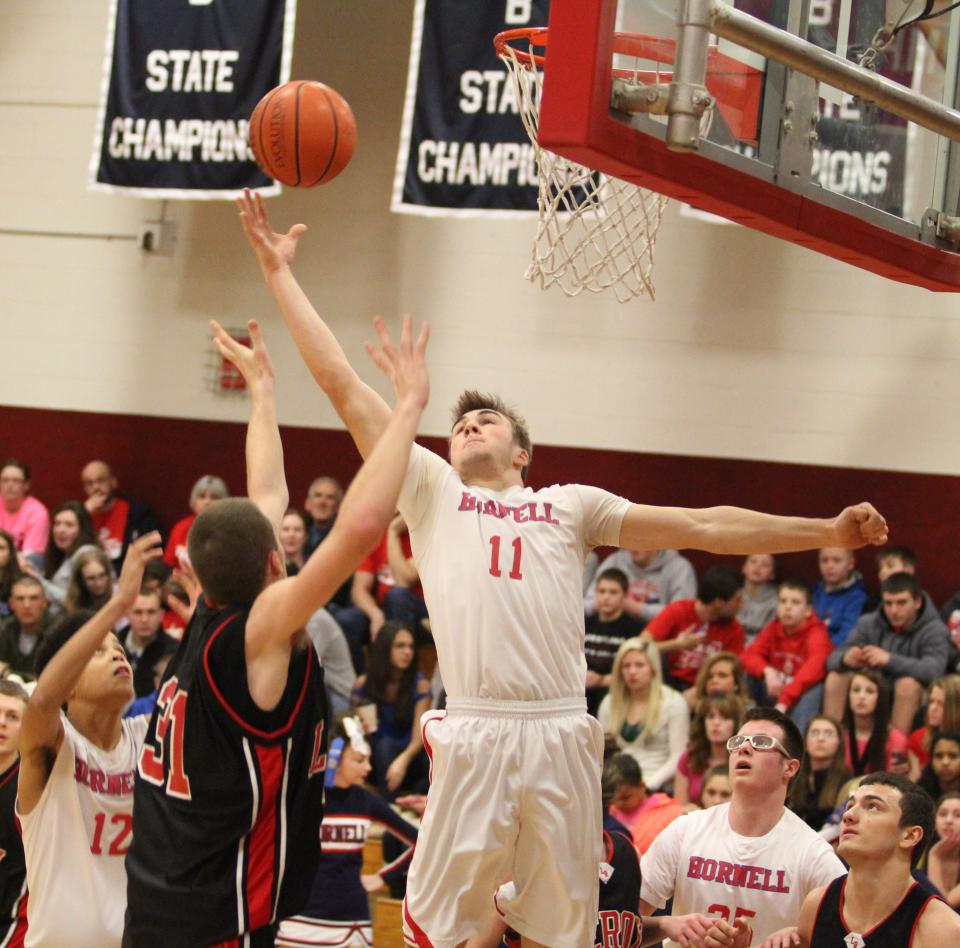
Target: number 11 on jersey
{"x": 495, "y": 558}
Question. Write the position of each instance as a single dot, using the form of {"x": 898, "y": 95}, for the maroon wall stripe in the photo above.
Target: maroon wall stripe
{"x": 158, "y": 459}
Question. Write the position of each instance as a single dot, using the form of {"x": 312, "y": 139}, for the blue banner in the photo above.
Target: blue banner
{"x": 181, "y": 78}
{"x": 463, "y": 149}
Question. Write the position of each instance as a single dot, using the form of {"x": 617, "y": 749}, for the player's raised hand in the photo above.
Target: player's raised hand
{"x": 139, "y": 553}
{"x": 274, "y": 251}
{"x": 404, "y": 364}
{"x": 860, "y": 525}
{"x": 253, "y": 362}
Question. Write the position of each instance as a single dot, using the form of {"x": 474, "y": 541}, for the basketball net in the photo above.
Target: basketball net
{"x": 594, "y": 232}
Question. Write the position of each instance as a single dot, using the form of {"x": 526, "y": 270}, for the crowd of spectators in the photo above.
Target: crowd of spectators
{"x": 873, "y": 682}
{"x": 673, "y": 660}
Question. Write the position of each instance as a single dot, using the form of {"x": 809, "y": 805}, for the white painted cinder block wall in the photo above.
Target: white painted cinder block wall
{"x": 754, "y": 348}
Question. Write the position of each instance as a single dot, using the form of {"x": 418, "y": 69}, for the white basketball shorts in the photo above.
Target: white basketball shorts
{"x": 302, "y": 930}
{"x": 514, "y": 795}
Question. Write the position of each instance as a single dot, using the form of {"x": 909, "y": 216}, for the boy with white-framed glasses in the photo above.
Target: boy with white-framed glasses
{"x": 751, "y": 862}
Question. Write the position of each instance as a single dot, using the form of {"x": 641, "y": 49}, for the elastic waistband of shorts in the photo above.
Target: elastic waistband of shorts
{"x": 528, "y": 710}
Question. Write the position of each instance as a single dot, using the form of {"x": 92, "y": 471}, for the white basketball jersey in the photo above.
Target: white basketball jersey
{"x": 708, "y": 868}
{"x": 75, "y": 839}
{"x": 502, "y": 577}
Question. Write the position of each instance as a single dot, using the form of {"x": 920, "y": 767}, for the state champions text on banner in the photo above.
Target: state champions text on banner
{"x": 463, "y": 149}
{"x": 181, "y": 78}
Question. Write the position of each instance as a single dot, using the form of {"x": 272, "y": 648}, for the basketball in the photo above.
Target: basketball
{"x": 302, "y": 133}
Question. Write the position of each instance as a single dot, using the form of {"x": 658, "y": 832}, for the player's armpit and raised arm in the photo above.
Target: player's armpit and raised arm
{"x": 284, "y": 607}
{"x": 739, "y": 531}
{"x": 361, "y": 409}
{"x": 41, "y": 733}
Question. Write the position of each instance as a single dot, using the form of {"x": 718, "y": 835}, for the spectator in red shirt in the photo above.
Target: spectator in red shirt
{"x": 689, "y": 631}
{"x": 787, "y": 661}
{"x": 117, "y": 522}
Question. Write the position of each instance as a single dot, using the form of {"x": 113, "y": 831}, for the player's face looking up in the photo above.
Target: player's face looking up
{"x": 863, "y": 695}
{"x": 11, "y": 716}
{"x": 402, "y": 650}
{"x": 636, "y": 672}
{"x": 482, "y": 443}
{"x": 765, "y": 768}
{"x": 945, "y": 761}
{"x": 107, "y": 677}
{"x": 871, "y": 823}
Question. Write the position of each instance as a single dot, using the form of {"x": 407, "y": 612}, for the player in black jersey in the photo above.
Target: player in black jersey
{"x": 878, "y": 904}
{"x": 13, "y": 872}
{"x": 227, "y": 805}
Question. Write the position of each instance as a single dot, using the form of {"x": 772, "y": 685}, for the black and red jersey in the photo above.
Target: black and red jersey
{"x": 13, "y": 870}
{"x": 898, "y": 928}
{"x": 228, "y": 799}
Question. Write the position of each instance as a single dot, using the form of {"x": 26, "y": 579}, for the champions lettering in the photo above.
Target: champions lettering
{"x": 187, "y": 140}
{"x": 524, "y": 513}
{"x": 114, "y": 785}
{"x": 736, "y": 875}
{"x": 503, "y": 164}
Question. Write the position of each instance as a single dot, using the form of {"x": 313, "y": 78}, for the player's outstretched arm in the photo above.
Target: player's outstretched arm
{"x": 284, "y": 607}
{"x": 360, "y": 408}
{"x": 735, "y": 530}
{"x": 42, "y": 732}
{"x": 266, "y": 481}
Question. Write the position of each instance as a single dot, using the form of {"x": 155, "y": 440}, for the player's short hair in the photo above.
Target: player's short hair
{"x": 25, "y": 580}
{"x": 901, "y": 583}
{"x": 472, "y": 400}
{"x": 798, "y": 585}
{"x": 902, "y": 553}
{"x": 229, "y": 545}
{"x": 916, "y": 806}
{"x": 792, "y": 738}
{"x": 58, "y": 636}
{"x": 719, "y": 582}
{"x": 622, "y": 769}
{"x": 617, "y": 576}
{"x": 13, "y": 689}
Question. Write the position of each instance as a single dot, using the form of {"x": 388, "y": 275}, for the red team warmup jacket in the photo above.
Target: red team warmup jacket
{"x": 801, "y": 655}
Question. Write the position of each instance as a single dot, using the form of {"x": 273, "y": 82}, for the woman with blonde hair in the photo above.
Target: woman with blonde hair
{"x": 643, "y": 716}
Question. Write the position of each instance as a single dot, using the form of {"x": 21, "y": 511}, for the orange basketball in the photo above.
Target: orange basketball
{"x": 302, "y": 133}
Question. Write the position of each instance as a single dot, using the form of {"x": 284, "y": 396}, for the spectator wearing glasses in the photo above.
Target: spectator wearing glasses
{"x": 750, "y": 862}
{"x": 22, "y": 516}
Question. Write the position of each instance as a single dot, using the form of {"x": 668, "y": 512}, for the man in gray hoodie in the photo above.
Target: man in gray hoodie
{"x": 904, "y": 639}
{"x": 656, "y": 577}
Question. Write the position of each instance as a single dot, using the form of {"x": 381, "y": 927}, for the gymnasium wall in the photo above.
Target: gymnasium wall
{"x": 763, "y": 374}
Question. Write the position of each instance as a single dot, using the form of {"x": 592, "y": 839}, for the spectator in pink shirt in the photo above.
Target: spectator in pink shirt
{"x": 21, "y": 515}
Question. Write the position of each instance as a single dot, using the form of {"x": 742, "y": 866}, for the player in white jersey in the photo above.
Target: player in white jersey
{"x": 75, "y": 794}
{"x": 751, "y": 862}
{"x": 515, "y": 787}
